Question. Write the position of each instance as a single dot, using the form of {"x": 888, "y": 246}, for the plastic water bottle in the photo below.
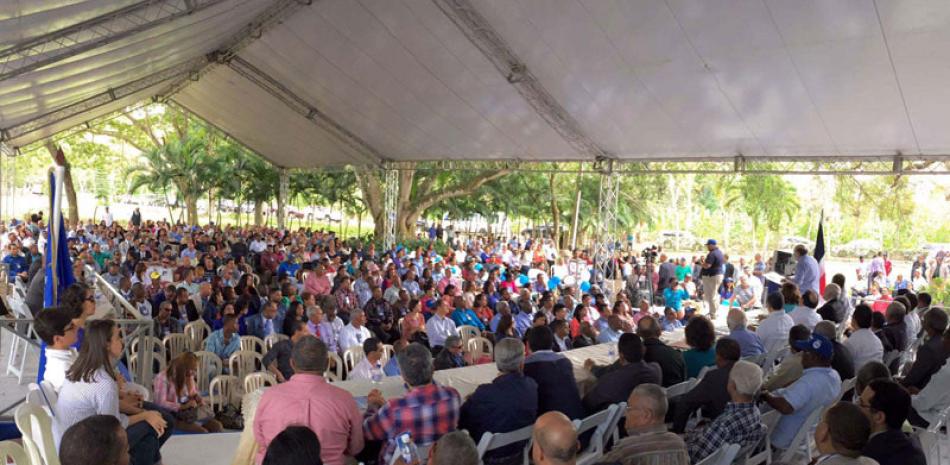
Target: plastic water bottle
{"x": 612, "y": 353}
{"x": 377, "y": 375}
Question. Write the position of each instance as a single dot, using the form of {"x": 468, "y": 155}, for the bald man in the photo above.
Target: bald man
{"x": 555, "y": 440}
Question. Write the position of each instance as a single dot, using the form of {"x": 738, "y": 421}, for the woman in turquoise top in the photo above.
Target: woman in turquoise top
{"x": 674, "y": 295}
{"x": 700, "y": 337}
{"x": 793, "y": 298}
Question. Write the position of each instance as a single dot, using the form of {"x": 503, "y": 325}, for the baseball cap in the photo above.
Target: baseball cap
{"x": 711, "y": 242}
{"x": 817, "y": 344}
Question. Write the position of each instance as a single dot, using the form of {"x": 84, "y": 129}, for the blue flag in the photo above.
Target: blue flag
{"x": 59, "y": 271}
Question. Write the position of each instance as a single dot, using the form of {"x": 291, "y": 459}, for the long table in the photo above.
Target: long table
{"x": 465, "y": 380}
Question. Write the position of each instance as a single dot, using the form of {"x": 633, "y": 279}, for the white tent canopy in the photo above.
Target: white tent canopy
{"x": 334, "y": 82}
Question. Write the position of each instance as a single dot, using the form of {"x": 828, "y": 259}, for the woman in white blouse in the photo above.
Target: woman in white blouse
{"x": 91, "y": 389}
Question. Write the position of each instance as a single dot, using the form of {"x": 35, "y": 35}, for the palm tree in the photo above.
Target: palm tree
{"x": 183, "y": 164}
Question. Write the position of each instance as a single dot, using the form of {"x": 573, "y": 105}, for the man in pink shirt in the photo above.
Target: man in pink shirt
{"x": 308, "y": 400}
{"x": 317, "y": 282}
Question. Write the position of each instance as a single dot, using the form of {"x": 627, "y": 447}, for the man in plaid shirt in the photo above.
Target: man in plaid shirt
{"x": 740, "y": 423}
{"x": 427, "y": 411}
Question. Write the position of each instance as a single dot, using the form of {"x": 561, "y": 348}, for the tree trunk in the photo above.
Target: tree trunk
{"x": 577, "y": 210}
{"x": 258, "y": 213}
{"x": 191, "y": 203}
{"x": 59, "y": 157}
{"x": 555, "y": 213}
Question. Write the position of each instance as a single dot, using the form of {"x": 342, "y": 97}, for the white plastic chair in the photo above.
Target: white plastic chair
{"x": 599, "y": 423}
{"x": 15, "y": 452}
{"x": 334, "y": 370}
{"x": 255, "y": 381}
{"x": 351, "y": 357}
{"x": 723, "y": 456}
{"x": 492, "y": 441}
{"x": 761, "y": 453}
{"x": 197, "y": 331}
{"x": 467, "y": 332}
{"x": 253, "y": 344}
{"x": 846, "y": 386}
{"x": 480, "y": 348}
{"x": 680, "y": 388}
{"x": 19, "y": 347}
{"x": 756, "y": 359}
{"x": 388, "y": 352}
{"x": 222, "y": 391}
{"x": 209, "y": 366}
{"x": 43, "y": 395}
{"x": 802, "y": 440}
{"x": 269, "y": 341}
{"x": 176, "y": 344}
{"x": 930, "y": 445}
{"x": 34, "y": 424}
{"x": 244, "y": 362}
{"x": 772, "y": 358}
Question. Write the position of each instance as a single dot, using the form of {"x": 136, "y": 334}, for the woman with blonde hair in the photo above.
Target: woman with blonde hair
{"x": 176, "y": 390}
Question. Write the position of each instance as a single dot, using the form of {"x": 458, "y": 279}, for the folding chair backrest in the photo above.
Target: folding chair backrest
{"x": 176, "y": 344}
{"x": 388, "y": 352}
{"x": 334, "y": 368}
{"x": 43, "y": 396}
{"x": 480, "y": 348}
{"x": 351, "y": 357}
{"x": 467, "y": 332}
{"x": 492, "y": 441}
{"x": 269, "y": 341}
{"x": 940, "y": 421}
{"x": 802, "y": 438}
{"x": 599, "y": 423}
{"x": 930, "y": 445}
{"x": 772, "y": 358}
{"x": 679, "y": 388}
{"x": 243, "y": 363}
{"x": 221, "y": 392}
{"x": 723, "y": 456}
{"x": 846, "y": 386}
{"x": 756, "y": 359}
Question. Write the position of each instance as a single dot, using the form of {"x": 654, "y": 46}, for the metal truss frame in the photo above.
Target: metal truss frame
{"x": 391, "y": 198}
{"x": 483, "y": 36}
{"x": 302, "y": 107}
{"x": 104, "y": 98}
{"x": 93, "y": 33}
{"x": 887, "y": 165}
{"x": 606, "y": 225}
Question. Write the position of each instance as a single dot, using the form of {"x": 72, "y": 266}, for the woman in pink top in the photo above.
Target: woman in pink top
{"x": 413, "y": 321}
{"x": 176, "y": 389}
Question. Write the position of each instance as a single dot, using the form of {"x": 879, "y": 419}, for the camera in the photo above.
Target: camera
{"x": 650, "y": 254}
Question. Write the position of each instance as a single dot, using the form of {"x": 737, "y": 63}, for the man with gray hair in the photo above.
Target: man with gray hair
{"x": 455, "y": 448}
{"x": 508, "y": 403}
{"x": 647, "y": 439}
{"x": 355, "y": 332}
{"x": 841, "y": 361}
{"x": 749, "y": 343}
{"x": 308, "y": 400}
{"x": 427, "y": 411}
{"x": 834, "y": 309}
{"x": 740, "y": 423}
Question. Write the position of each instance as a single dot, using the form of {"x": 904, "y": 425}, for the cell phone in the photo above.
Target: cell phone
{"x": 406, "y": 448}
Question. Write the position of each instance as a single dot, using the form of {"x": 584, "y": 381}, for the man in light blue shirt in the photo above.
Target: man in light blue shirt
{"x": 807, "y": 272}
{"x": 612, "y": 332}
{"x": 225, "y": 341}
{"x": 819, "y": 387}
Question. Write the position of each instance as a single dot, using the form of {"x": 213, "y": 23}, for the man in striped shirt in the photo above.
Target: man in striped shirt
{"x": 740, "y": 423}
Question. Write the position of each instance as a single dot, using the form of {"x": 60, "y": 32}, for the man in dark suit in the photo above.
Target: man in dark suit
{"x": 710, "y": 394}
{"x": 508, "y": 403}
{"x": 670, "y": 360}
{"x": 887, "y": 404}
{"x": 895, "y": 330}
{"x": 265, "y": 323}
{"x": 932, "y": 354}
{"x": 554, "y": 374}
{"x": 562, "y": 336}
{"x": 841, "y": 361}
{"x": 615, "y": 387}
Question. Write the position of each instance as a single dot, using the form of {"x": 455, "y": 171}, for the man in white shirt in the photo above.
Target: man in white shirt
{"x": 805, "y": 314}
{"x": 932, "y": 399}
{"x": 57, "y": 329}
{"x": 371, "y": 362}
{"x": 864, "y": 345}
{"x": 109, "y": 219}
{"x": 354, "y": 333}
{"x": 440, "y": 326}
{"x": 773, "y": 330}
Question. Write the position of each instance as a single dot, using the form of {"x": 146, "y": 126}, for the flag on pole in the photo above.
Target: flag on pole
{"x": 59, "y": 267}
{"x": 820, "y": 254}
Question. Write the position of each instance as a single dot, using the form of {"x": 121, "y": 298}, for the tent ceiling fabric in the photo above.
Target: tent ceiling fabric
{"x": 671, "y": 80}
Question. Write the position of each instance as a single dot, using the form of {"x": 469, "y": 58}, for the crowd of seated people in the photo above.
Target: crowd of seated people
{"x": 330, "y": 296}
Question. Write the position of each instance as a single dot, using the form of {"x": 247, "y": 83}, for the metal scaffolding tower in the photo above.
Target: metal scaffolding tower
{"x": 605, "y": 237}
{"x": 391, "y": 181}
{"x": 282, "y": 190}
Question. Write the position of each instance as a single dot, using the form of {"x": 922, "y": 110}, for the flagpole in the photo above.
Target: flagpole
{"x": 56, "y": 216}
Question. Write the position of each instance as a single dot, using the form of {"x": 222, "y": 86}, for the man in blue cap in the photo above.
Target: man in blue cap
{"x": 819, "y": 387}
{"x": 712, "y": 277}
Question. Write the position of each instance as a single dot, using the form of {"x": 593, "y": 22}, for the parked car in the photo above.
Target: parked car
{"x": 857, "y": 248}
{"x": 680, "y": 239}
{"x": 789, "y": 242}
